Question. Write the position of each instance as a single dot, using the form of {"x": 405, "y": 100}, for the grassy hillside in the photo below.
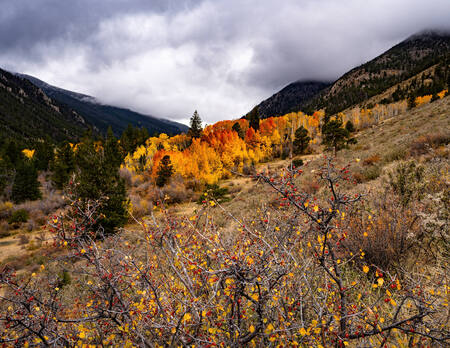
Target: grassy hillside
{"x": 401, "y": 62}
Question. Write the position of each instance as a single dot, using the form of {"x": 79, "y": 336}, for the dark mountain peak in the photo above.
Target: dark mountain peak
{"x": 429, "y": 34}
{"x": 290, "y": 98}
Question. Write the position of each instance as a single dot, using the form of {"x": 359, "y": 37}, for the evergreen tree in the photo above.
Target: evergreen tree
{"x": 63, "y": 165}
{"x": 6, "y": 166}
{"x": 12, "y": 153}
{"x": 195, "y": 126}
{"x": 350, "y": 127}
{"x": 411, "y": 101}
{"x": 143, "y": 136}
{"x": 335, "y": 136}
{"x": 128, "y": 140}
{"x": 3, "y": 176}
{"x": 113, "y": 155}
{"x": 253, "y": 118}
{"x": 44, "y": 153}
{"x": 237, "y": 128}
{"x": 165, "y": 171}
{"x": 301, "y": 140}
{"x": 97, "y": 178}
{"x": 26, "y": 184}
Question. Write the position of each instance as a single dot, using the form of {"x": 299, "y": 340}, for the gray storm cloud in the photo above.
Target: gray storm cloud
{"x": 168, "y": 58}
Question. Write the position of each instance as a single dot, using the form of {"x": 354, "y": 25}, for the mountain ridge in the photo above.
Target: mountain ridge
{"x": 404, "y": 60}
{"x": 103, "y": 115}
{"x": 28, "y": 114}
{"x": 290, "y": 98}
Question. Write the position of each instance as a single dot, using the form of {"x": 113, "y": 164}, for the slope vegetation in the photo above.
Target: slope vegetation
{"x": 27, "y": 113}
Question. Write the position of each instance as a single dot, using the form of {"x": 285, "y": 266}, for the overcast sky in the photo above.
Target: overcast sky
{"x": 221, "y": 57}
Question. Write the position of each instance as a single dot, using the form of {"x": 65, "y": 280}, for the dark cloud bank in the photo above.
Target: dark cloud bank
{"x": 221, "y": 57}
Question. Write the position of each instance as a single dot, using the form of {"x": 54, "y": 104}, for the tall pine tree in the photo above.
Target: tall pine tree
{"x": 195, "y": 126}
{"x": 237, "y": 128}
{"x": 63, "y": 165}
{"x": 301, "y": 140}
{"x": 335, "y": 136}
{"x": 26, "y": 185}
{"x": 165, "y": 171}
{"x": 253, "y": 118}
{"x": 97, "y": 178}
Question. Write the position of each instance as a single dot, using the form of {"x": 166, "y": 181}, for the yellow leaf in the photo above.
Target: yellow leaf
{"x": 28, "y": 153}
{"x": 269, "y": 329}
{"x": 365, "y": 269}
{"x": 316, "y": 208}
{"x": 380, "y": 282}
{"x": 302, "y": 331}
{"x": 251, "y": 329}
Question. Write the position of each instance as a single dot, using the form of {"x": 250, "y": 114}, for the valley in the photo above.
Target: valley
{"x": 320, "y": 219}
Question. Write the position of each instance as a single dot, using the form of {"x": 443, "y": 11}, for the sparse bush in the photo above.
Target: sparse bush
{"x": 38, "y": 217}
{"x": 371, "y": 160}
{"x": 371, "y": 173}
{"x": 406, "y": 181}
{"x": 64, "y": 279}
{"x": 396, "y": 154}
{"x": 384, "y": 235}
{"x": 358, "y": 177}
{"x": 297, "y": 163}
{"x": 139, "y": 206}
{"x": 177, "y": 191}
{"x": 126, "y": 175}
{"x": 435, "y": 220}
{"x": 23, "y": 239}
{"x": 4, "y": 229}
{"x": 18, "y": 216}
{"x": 214, "y": 192}
{"x": 248, "y": 169}
{"x": 31, "y": 225}
{"x": 5, "y": 209}
{"x": 424, "y": 143}
{"x": 32, "y": 245}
